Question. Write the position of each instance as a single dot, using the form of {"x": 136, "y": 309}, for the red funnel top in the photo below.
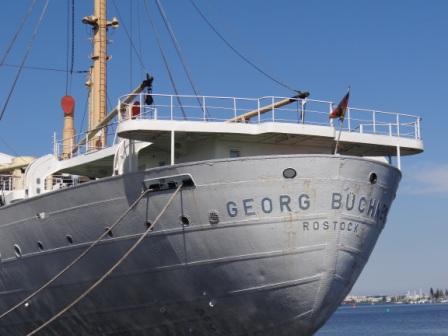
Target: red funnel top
{"x": 68, "y": 105}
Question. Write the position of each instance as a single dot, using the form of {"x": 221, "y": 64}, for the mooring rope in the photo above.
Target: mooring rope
{"x": 66, "y": 268}
{"x": 105, "y": 275}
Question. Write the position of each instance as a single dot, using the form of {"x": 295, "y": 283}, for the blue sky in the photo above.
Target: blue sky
{"x": 393, "y": 54}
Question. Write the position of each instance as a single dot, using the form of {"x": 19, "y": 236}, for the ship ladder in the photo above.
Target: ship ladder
{"x": 78, "y": 258}
{"x": 106, "y": 274}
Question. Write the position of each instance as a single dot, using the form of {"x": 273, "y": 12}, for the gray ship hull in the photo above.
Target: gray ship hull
{"x": 261, "y": 255}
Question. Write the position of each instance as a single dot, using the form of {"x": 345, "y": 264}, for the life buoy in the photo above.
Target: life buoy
{"x": 135, "y": 111}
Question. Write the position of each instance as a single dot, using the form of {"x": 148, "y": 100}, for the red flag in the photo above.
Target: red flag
{"x": 339, "y": 111}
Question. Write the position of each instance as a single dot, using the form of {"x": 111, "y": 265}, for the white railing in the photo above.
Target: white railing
{"x": 220, "y": 109}
{"x": 60, "y": 181}
{"x": 302, "y": 111}
{"x": 86, "y": 146}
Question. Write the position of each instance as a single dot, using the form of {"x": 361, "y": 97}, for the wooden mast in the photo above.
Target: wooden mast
{"x": 98, "y": 74}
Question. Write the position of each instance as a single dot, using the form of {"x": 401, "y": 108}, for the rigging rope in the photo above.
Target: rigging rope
{"x": 67, "y": 21}
{"x": 179, "y": 53}
{"x": 30, "y": 45}
{"x": 69, "y": 75}
{"x": 131, "y": 66}
{"x": 139, "y": 38}
{"x": 19, "y": 29}
{"x": 79, "y": 257}
{"x": 43, "y": 68}
{"x": 239, "y": 54}
{"x": 160, "y": 49}
{"x": 70, "y": 49}
{"x": 165, "y": 60}
{"x": 86, "y": 108}
{"x": 72, "y": 60}
{"x": 128, "y": 35}
{"x": 105, "y": 275}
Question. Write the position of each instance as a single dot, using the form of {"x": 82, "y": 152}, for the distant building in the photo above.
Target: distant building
{"x": 5, "y": 158}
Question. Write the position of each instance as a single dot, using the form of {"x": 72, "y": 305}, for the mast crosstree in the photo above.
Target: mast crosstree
{"x": 98, "y": 72}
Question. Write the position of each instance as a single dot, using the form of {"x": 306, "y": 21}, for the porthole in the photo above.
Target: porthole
{"x": 40, "y": 245}
{"x": 69, "y": 239}
{"x": 109, "y": 232}
{"x": 184, "y": 220}
{"x": 213, "y": 217}
{"x": 17, "y": 251}
{"x": 289, "y": 173}
{"x": 373, "y": 178}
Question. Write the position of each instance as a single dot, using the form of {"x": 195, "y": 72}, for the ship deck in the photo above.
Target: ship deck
{"x": 280, "y": 125}
{"x": 302, "y": 122}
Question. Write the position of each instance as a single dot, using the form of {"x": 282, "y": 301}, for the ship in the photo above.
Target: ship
{"x": 235, "y": 216}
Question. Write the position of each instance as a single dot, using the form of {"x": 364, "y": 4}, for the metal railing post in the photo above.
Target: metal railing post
{"x": 398, "y": 157}
{"x": 273, "y": 109}
{"x": 171, "y": 107}
{"x": 258, "y": 109}
{"x": 142, "y": 109}
{"x": 418, "y": 128}
{"x": 330, "y": 109}
{"x": 204, "y": 116}
{"x": 302, "y": 111}
{"x": 374, "y": 121}
{"x": 398, "y": 124}
{"x": 390, "y": 129}
{"x": 172, "y": 148}
{"x": 349, "y": 120}
{"x": 234, "y": 107}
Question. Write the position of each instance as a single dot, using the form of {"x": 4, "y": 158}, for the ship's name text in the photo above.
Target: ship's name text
{"x": 267, "y": 205}
{"x": 330, "y": 225}
{"x": 369, "y": 207}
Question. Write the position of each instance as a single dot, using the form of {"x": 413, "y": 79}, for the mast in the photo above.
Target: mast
{"x": 98, "y": 73}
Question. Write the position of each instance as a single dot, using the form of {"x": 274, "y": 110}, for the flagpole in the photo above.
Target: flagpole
{"x": 341, "y": 122}
{"x": 339, "y": 111}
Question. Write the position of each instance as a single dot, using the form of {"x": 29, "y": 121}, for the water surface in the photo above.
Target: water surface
{"x": 388, "y": 320}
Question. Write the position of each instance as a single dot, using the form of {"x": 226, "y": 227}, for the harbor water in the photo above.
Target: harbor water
{"x": 388, "y": 320}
